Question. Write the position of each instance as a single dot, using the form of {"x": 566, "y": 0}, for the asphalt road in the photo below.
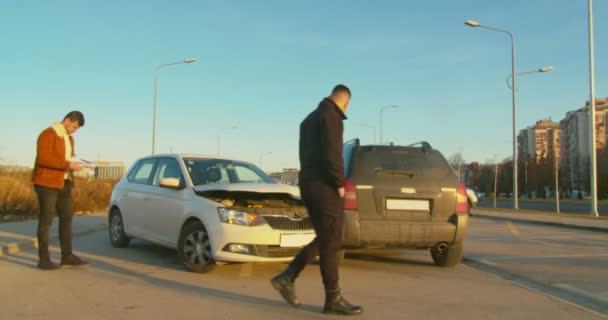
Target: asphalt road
{"x": 550, "y": 206}
{"x": 145, "y": 281}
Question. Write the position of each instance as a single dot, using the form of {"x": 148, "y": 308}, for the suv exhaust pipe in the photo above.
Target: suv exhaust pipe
{"x": 441, "y": 247}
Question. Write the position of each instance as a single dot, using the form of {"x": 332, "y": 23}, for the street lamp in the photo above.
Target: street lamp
{"x": 218, "y": 137}
{"x": 262, "y": 156}
{"x": 476, "y": 24}
{"x": 188, "y": 60}
{"x": 368, "y": 126}
{"x": 381, "y": 111}
{"x": 593, "y": 156}
{"x": 541, "y": 70}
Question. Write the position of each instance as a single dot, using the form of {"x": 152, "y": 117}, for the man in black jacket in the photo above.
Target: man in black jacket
{"x": 322, "y": 189}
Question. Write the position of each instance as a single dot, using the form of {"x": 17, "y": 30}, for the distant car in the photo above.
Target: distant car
{"x": 404, "y": 196}
{"x": 472, "y": 198}
{"x": 481, "y": 194}
{"x": 209, "y": 209}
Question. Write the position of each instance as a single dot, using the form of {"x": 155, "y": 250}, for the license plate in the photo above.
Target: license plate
{"x": 296, "y": 240}
{"x": 402, "y": 204}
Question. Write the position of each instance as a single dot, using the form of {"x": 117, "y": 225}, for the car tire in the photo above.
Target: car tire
{"x": 448, "y": 257}
{"x": 194, "y": 248}
{"x": 116, "y": 229}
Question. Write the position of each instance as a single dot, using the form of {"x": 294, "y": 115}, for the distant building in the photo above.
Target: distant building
{"x": 576, "y": 147}
{"x": 540, "y": 141}
{"x": 106, "y": 170}
{"x": 290, "y": 176}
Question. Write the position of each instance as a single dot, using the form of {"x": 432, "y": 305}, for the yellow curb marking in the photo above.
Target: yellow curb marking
{"x": 13, "y": 248}
{"x": 246, "y": 270}
{"x": 512, "y": 228}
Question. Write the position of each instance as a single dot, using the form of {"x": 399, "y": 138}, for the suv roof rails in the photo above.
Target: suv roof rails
{"x": 425, "y": 145}
{"x": 355, "y": 141}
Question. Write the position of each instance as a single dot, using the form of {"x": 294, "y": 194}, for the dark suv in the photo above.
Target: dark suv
{"x": 406, "y": 197}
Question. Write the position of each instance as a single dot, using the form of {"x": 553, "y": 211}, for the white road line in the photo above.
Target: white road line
{"x": 543, "y": 293}
{"x": 550, "y": 256}
{"x": 596, "y": 238}
{"x": 581, "y": 292}
{"x": 484, "y": 261}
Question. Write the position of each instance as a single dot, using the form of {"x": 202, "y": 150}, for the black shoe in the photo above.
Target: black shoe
{"x": 73, "y": 261}
{"x": 284, "y": 283}
{"x": 336, "y": 304}
{"x": 47, "y": 264}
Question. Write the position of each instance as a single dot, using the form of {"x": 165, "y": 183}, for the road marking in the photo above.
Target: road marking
{"x": 513, "y": 229}
{"x": 594, "y": 238}
{"x": 581, "y": 292}
{"x": 557, "y": 256}
{"x": 542, "y": 289}
{"x": 246, "y": 270}
{"x": 484, "y": 261}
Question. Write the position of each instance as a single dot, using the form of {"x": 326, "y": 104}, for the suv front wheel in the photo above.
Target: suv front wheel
{"x": 448, "y": 257}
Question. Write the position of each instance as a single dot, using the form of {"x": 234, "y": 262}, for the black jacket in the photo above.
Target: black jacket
{"x": 321, "y": 145}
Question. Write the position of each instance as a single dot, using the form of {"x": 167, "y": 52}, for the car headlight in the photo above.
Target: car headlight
{"x": 239, "y": 217}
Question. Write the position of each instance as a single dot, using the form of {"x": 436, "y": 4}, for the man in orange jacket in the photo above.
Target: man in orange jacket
{"x": 53, "y": 179}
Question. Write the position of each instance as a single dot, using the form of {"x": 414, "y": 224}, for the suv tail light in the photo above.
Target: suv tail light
{"x": 462, "y": 203}
{"x": 350, "y": 195}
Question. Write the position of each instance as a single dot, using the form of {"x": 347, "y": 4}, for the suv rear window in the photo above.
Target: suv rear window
{"x": 393, "y": 160}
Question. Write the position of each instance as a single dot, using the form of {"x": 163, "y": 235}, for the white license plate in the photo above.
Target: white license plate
{"x": 296, "y": 240}
{"x": 402, "y": 204}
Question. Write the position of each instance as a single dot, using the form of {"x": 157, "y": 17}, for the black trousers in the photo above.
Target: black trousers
{"x": 326, "y": 211}
{"x": 55, "y": 202}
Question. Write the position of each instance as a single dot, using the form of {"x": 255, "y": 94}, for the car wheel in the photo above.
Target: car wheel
{"x": 194, "y": 248}
{"x": 118, "y": 238}
{"x": 449, "y": 257}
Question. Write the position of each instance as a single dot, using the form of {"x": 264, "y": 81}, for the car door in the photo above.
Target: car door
{"x": 166, "y": 205}
{"x": 133, "y": 200}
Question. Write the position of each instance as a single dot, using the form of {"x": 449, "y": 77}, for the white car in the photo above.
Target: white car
{"x": 210, "y": 210}
{"x": 472, "y": 197}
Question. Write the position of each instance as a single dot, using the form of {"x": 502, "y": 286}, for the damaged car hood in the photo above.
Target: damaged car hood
{"x": 251, "y": 187}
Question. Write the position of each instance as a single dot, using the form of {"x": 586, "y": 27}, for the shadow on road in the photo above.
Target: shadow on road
{"x": 136, "y": 260}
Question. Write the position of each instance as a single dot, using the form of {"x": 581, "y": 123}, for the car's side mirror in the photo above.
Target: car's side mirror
{"x": 171, "y": 183}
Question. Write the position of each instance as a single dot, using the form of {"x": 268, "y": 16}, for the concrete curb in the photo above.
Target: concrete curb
{"x": 537, "y": 222}
{"x": 32, "y": 243}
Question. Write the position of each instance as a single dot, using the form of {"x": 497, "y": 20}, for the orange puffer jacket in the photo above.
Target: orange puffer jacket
{"x": 51, "y": 164}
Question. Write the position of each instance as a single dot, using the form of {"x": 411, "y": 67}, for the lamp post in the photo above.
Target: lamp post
{"x": 476, "y": 24}
{"x": 262, "y": 156}
{"x": 540, "y": 70}
{"x": 556, "y": 167}
{"x": 218, "y": 137}
{"x": 368, "y": 126}
{"x": 188, "y": 60}
{"x": 381, "y": 111}
{"x": 593, "y": 155}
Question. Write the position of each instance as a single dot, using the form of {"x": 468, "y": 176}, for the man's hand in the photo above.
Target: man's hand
{"x": 75, "y": 166}
{"x": 341, "y": 192}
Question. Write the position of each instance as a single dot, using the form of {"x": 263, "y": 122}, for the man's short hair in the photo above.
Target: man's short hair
{"x": 75, "y": 116}
{"x": 341, "y": 88}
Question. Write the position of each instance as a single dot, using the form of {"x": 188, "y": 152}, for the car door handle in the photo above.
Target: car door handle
{"x": 147, "y": 198}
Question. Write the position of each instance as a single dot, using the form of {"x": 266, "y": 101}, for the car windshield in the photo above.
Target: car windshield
{"x": 217, "y": 171}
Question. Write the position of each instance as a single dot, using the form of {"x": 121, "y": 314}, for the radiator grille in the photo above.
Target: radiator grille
{"x": 287, "y": 223}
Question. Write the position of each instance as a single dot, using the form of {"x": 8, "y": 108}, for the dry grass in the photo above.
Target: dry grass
{"x": 17, "y": 195}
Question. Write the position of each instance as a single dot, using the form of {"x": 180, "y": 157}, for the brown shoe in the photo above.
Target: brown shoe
{"x": 73, "y": 261}
{"x": 47, "y": 264}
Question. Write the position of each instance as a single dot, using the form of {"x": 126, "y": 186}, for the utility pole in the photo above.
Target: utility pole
{"x": 495, "y": 181}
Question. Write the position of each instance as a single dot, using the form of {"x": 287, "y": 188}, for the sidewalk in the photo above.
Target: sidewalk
{"x": 551, "y": 219}
{"x": 19, "y": 236}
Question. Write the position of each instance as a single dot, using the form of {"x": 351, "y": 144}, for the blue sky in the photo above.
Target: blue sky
{"x": 263, "y": 65}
